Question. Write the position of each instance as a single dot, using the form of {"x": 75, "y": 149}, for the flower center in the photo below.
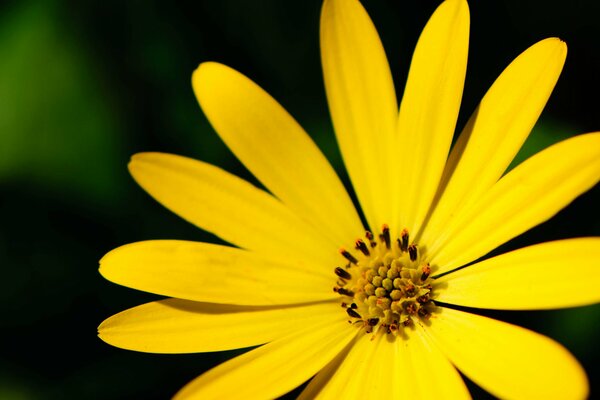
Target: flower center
{"x": 385, "y": 285}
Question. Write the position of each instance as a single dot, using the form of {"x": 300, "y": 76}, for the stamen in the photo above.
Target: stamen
{"x": 426, "y": 271}
{"x": 411, "y": 308}
{"x": 412, "y": 252}
{"x": 370, "y": 237}
{"x": 360, "y": 245}
{"x": 404, "y": 240}
{"x": 353, "y": 313}
{"x": 424, "y": 313}
{"x": 344, "y": 292}
{"x": 385, "y": 235}
{"x": 349, "y": 256}
{"x": 423, "y": 299}
{"x": 342, "y": 273}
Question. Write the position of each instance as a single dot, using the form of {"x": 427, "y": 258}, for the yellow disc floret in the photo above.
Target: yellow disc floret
{"x": 385, "y": 285}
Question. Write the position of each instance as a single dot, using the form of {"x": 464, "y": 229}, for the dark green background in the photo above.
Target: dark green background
{"x": 85, "y": 84}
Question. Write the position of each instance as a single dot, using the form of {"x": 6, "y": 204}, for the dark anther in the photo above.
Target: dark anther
{"x": 349, "y": 256}
{"x": 353, "y": 306}
{"x": 426, "y": 271}
{"x": 345, "y": 292}
{"x": 385, "y": 235}
{"x": 403, "y": 240}
{"x": 353, "y": 313}
{"x": 409, "y": 290}
{"x": 423, "y": 299}
{"x": 411, "y": 308}
{"x": 369, "y": 237}
{"x": 423, "y": 313}
{"x": 373, "y": 321}
{"x": 342, "y": 273}
{"x": 407, "y": 322}
{"x": 344, "y": 305}
{"x": 412, "y": 252}
{"x": 360, "y": 245}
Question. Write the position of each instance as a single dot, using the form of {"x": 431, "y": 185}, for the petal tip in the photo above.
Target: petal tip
{"x": 204, "y": 69}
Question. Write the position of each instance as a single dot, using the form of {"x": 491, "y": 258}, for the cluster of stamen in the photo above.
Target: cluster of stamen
{"x": 385, "y": 285}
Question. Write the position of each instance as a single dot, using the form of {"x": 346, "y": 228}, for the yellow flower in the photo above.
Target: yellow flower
{"x": 430, "y": 213}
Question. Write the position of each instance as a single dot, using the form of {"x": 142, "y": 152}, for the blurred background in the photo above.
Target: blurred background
{"x": 86, "y": 84}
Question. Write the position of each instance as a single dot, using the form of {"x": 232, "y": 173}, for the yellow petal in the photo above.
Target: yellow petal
{"x": 180, "y": 326}
{"x": 508, "y": 361}
{"x": 275, "y": 368}
{"x": 429, "y": 374}
{"x": 351, "y": 379}
{"x": 362, "y": 102}
{"x": 229, "y": 207}
{"x": 497, "y": 129}
{"x": 565, "y": 273}
{"x": 528, "y": 195}
{"x": 429, "y": 108}
{"x": 316, "y": 384}
{"x": 276, "y": 150}
{"x": 216, "y": 274}
{"x": 377, "y": 367}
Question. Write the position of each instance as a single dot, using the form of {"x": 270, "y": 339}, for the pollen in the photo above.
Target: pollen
{"x": 385, "y": 285}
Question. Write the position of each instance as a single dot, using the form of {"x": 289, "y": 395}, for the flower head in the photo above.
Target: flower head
{"x": 368, "y": 312}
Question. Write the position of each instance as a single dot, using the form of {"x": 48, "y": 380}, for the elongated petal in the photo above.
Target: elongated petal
{"x": 528, "y": 195}
{"x": 565, "y": 273}
{"x": 351, "y": 378}
{"x": 180, "y": 326}
{"x": 229, "y": 207}
{"x": 216, "y": 274}
{"x": 362, "y": 102}
{"x": 377, "y": 367}
{"x": 429, "y": 108}
{"x": 276, "y": 150}
{"x": 508, "y": 361}
{"x": 411, "y": 366}
{"x": 430, "y": 373}
{"x": 275, "y": 368}
{"x": 497, "y": 129}
{"x": 322, "y": 378}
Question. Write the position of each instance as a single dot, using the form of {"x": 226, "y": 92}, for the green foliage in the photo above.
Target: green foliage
{"x": 57, "y": 127}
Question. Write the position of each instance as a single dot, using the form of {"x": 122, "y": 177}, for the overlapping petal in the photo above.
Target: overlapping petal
{"x": 213, "y": 273}
{"x": 363, "y": 106}
{"x": 229, "y": 207}
{"x": 528, "y": 195}
{"x": 275, "y": 368}
{"x": 556, "y": 274}
{"x": 496, "y": 130}
{"x": 321, "y": 379}
{"x": 180, "y": 326}
{"x": 508, "y": 361}
{"x": 410, "y": 366}
{"x": 429, "y": 109}
{"x": 276, "y": 150}
{"x": 351, "y": 377}
{"x": 429, "y": 374}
